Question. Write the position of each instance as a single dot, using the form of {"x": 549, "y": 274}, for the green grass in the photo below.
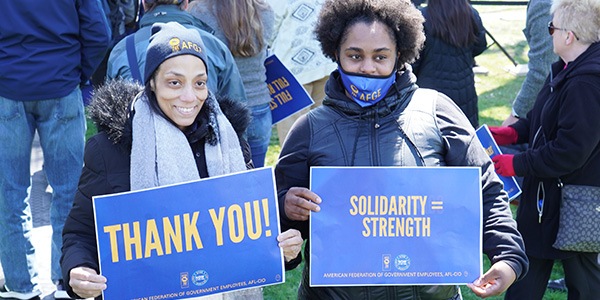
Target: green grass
{"x": 91, "y": 129}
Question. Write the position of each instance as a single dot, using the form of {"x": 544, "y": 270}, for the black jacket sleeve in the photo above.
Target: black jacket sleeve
{"x": 481, "y": 42}
{"x": 501, "y": 239}
{"x": 292, "y": 170}
{"x": 79, "y": 233}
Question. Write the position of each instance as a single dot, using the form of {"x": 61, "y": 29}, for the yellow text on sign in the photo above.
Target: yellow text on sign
{"x": 392, "y": 216}
{"x": 180, "y": 233}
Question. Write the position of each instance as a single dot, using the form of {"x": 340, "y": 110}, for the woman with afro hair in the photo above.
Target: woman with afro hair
{"x": 375, "y": 115}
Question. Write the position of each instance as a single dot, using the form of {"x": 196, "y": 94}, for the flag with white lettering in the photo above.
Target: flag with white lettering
{"x": 288, "y": 96}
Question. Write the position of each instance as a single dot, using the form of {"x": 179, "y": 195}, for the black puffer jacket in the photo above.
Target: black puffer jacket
{"x": 107, "y": 165}
{"x": 341, "y": 133}
{"x": 449, "y": 69}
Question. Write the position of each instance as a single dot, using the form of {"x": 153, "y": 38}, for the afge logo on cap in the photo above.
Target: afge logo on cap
{"x": 178, "y": 45}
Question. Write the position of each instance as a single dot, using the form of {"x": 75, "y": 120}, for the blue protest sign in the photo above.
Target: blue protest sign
{"x": 491, "y": 148}
{"x": 396, "y": 226}
{"x": 191, "y": 239}
{"x": 287, "y": 94}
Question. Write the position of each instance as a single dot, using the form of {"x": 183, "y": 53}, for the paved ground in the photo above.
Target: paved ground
{"x": 42, "y": 231}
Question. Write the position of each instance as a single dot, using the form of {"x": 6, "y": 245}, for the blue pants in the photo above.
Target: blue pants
{"x": 259, "y": 133}
{"x": 61, "y": 126}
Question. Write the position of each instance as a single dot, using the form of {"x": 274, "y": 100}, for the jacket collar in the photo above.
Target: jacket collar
{"x": 172, "y": 13}
{"x": 586, "y": 63}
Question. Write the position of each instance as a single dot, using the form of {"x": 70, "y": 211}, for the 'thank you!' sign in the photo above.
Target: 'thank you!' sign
{"x": 396, "y": 226}
{"x": 191, "y": 239}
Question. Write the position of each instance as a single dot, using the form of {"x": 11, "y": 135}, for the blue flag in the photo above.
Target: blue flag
{"x": 287, "y": 94}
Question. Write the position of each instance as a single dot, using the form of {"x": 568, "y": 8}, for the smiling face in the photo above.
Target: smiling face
{"x": 180, "y": 88}
{"x": 368, "y": 49}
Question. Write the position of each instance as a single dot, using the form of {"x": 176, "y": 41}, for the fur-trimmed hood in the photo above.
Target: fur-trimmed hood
{"x": 110, "y": 110}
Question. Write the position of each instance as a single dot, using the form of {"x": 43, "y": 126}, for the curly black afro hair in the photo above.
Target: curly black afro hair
{"x": 404, "y": 20}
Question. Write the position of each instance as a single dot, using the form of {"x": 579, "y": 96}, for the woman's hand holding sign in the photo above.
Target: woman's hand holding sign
{"x": 291, "y": 243}
{"x": 495, "y": 281}
{"x": 86, "y": 283}
{"x": 299, "y": 202}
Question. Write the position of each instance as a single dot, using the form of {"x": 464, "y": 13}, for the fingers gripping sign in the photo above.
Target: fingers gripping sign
{"x": 495, "y": 281}
{"x": 86, "y": 283}
{"x": 299, "y": 202}
{"x": 291, "y": 243}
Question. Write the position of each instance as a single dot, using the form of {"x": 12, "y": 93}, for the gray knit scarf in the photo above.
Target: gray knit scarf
{"x": 161, "y": 154}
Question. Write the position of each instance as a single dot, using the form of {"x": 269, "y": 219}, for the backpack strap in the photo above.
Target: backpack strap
{"x": 418, "y": 122}
{"x": 132, "y": 58}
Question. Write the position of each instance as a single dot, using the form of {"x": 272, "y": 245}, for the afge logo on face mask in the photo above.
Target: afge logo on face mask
{"x": 366, "y": 90}
{"x": 365, "y": 96}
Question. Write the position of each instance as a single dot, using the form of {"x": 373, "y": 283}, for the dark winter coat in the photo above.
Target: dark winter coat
{"x": 57, "y": 44}
{"x": 107, "y": 165}
{"x": 341, "y": 133}
{"x": 449, "y": 69}
{"x": 563, "y": 134}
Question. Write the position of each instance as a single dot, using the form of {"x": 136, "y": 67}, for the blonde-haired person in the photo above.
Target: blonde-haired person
{"x": 245, "y": 26}
{"x": 564, "y": 142}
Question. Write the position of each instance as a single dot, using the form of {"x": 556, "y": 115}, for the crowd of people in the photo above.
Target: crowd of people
{"x": 180, "y": 95}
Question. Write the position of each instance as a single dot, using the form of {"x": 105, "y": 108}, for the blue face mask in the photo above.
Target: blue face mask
{"x": 364, "y": 89}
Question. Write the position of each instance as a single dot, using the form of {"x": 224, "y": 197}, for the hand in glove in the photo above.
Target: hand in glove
{"x": 503, "y": 163}
{"x": 504, "y": 135}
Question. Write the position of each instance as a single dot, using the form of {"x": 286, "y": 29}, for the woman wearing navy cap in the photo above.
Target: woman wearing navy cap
{"x": 175, "y": 132}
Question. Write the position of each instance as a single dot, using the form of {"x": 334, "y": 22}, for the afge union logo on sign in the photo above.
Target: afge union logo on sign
{"x": 386, "y": 262}
{"x": 184, "y": 277}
